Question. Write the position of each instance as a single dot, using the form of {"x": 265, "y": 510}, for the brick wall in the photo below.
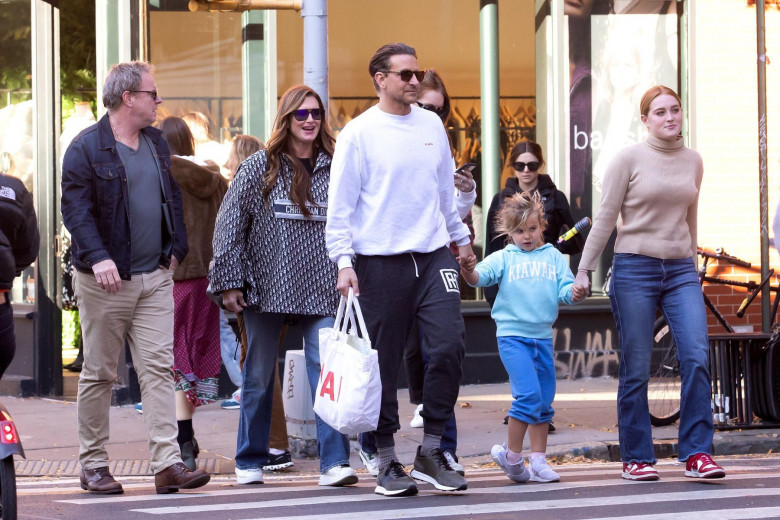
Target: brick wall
{"x": 724, "y": 108}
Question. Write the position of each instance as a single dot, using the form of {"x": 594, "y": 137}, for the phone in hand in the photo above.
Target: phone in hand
{"x": 468, "y": 166}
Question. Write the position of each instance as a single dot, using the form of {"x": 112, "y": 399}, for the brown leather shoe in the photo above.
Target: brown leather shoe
{"x": 99, "y": 481}
{"x": 176, "y": 477}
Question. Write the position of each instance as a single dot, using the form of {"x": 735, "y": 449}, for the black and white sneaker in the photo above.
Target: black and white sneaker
{"x": 278, "y": 461}
{"x": 394, "y": 482}
{"x": 436, "y": 470}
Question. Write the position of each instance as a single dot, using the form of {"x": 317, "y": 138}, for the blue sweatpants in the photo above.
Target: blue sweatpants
{"x": 529, "y": 363}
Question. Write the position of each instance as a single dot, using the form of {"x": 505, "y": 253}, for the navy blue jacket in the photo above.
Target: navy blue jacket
{"x": 19, "y": 239}
{"x": 94, "y": 200}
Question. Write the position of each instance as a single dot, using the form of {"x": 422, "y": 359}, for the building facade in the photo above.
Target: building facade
{"x": 566, "y": 74}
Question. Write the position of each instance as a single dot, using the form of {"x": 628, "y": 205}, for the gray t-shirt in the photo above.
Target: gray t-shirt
{"x": 144, "y": 206}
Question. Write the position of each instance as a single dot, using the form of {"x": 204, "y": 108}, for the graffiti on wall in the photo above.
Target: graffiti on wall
{"x": 590, "y": 354}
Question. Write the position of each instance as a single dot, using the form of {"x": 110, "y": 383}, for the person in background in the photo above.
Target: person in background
{"x": 124, "y": 212}
{"x": 196, "y": 352}
{"x": 206, "y": 148}
{"x": 270, "y": 263}
{"x": 654, "y": 188}
{"x": 390, "y": 222}
{"x": 279, "y": 456}
{"x": 19, "y": 243}
{"x": 432, "y": 96}
{"x": 527, "y": 159}
{"x": 525, "y": 309}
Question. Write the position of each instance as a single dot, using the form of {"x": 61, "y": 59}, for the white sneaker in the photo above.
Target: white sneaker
{"x": 541, "y": 471}
{"x": 417, "y": 420}
{"x": 338, "y": 476}
{"x": 453, "y": 461}
{"x": 371, "y": 462}
{"x": 249, "y": 476}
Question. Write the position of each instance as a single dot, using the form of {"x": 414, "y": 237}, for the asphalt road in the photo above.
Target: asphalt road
{"x": 751, "y": 490}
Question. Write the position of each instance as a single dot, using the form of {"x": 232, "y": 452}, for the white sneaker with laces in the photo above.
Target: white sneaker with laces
{"x": 370, "y": 461}
{"x": 249, "y": 476}
{"x": 417, "y": 420}
{"x": 541, "y": 471}
{"x": 454, "y": 463}
{"x": 338, "y": 476}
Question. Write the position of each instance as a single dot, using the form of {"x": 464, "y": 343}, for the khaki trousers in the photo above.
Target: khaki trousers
{"x": 142, "y": 312}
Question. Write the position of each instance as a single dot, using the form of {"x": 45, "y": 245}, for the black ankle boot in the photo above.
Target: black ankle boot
{"x": 189, "y": 452}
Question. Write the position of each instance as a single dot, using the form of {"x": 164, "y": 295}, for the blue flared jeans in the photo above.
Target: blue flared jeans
{"x": 640, "y": 286}
{"x": 254, "y": 425}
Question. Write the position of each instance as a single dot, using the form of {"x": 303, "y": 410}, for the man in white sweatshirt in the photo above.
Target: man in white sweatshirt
{"x": 390, "y": 220}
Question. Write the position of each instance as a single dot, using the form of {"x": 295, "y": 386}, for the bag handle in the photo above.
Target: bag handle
{"x": 353, "y": 310}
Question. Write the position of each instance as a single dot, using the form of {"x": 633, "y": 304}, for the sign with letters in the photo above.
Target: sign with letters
{"x": 285, "y": 208}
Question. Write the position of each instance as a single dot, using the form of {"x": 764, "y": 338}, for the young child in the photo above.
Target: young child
{"x": 532, "y": 278}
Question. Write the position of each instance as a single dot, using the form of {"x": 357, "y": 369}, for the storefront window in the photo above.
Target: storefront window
{"x": 16, "y": 113}
{"x": 197, "y": 68}
{"x": 617, "y": 50}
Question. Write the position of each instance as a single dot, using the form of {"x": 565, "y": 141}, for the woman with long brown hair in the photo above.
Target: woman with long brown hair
{"x": 270, "y": 262}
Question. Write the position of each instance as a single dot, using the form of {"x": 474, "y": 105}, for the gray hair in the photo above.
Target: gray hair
{"x": 121, "y": 78}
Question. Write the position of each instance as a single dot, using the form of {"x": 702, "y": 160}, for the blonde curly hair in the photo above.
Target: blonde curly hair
{"x": 516, "y": 211}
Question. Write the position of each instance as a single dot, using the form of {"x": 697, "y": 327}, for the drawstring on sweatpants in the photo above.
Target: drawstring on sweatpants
{"x": 416, "y": 272}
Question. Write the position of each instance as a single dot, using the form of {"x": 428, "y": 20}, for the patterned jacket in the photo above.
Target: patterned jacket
{"x": 281, "y": 262}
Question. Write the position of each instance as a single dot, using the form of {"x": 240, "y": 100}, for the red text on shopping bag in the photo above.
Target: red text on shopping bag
{"x": 331, "y": 384}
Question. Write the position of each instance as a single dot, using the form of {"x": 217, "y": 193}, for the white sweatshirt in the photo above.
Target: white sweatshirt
{"x": 391, "y": 188}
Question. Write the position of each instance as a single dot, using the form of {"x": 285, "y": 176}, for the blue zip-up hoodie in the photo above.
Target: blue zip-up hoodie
{"x": 530, "y": 285}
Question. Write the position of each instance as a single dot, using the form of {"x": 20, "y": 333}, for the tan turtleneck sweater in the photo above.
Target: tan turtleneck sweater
{"x": 654, "y": 188}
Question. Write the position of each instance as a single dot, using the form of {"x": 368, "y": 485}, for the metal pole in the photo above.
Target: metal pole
{"x": 766, "y": 319}
{"x": 315, "y": 47}
{"x": 488, "y": 65}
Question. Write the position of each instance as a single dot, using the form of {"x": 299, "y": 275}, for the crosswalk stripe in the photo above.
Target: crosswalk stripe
{"x": 558, "y": 503}
{"x": 713, "y": 514}
{"x": 343, "y": 498}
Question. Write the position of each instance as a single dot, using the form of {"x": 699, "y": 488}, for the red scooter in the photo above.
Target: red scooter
{"x": 10, "y": 445}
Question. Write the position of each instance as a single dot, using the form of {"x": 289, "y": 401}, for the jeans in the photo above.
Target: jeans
{"x": 641, "y": 285}
{"x": 254, "y": 426}
{"x": 230, "y": 349}
{"x": 529, "y": 363}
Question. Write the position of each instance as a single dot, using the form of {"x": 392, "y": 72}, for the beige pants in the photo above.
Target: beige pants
{"x": 142, "y": 312}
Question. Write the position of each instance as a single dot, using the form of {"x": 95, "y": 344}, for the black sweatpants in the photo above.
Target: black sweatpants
{"x": 7, "y": 337}
{"x": 393, "y": 291}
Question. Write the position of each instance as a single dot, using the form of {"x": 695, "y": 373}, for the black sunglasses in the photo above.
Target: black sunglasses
{"x": 532, "y": 166}
{"x": 439, "y": 111}
{"x": 406, "y": 74}
{"x": 152, "y": 93}
{"x": 302, "y": 114}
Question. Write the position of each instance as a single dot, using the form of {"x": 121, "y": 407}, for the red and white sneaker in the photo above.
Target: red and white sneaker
{"x": 639, "y": 471}
{"x": 701, "y": 465}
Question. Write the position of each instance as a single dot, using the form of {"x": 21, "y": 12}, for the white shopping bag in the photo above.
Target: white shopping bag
{"x": 349, "y": 391}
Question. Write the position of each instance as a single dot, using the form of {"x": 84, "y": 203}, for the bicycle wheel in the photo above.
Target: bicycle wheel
{"x": 7, "y": 488}
{"x": 663, "y": 392}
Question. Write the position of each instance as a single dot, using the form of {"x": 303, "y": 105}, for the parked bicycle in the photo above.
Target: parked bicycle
{"x": 664, "y": 388}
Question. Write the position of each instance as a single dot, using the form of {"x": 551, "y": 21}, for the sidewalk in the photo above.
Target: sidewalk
{"x": 586, "y": 422}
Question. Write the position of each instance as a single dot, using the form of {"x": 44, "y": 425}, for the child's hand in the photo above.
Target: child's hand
{"x": 468, "y": 263}
{"x": 578, "y": 293}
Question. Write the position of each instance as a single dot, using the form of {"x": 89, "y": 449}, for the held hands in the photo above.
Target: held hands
{"x": 233, "y": 300}
{"x": 347, "y": 278}
{"x": 107, "y": 276}
{"x": 581, "y": 286}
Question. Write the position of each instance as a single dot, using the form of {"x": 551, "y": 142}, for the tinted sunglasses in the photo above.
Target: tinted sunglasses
{"x": 406, "y": 74}
{"x": 152, "y": 93}
{"x": 302, "y": 114}
{"x": 532, "y": 166}
{"x": 439, "y": 111}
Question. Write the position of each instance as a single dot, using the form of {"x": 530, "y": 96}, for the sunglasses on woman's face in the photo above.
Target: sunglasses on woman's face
{"x": 532, "y": 166}
{"x": 439, "y": 111}
{"x": 302, "y": 114}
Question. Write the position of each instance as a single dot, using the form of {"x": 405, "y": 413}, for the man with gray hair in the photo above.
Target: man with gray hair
{"x": 124, "y": 212}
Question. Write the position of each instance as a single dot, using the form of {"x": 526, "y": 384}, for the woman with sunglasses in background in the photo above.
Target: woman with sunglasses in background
{"x": 270, "y": 262}
{"x": 528, "y": 161}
